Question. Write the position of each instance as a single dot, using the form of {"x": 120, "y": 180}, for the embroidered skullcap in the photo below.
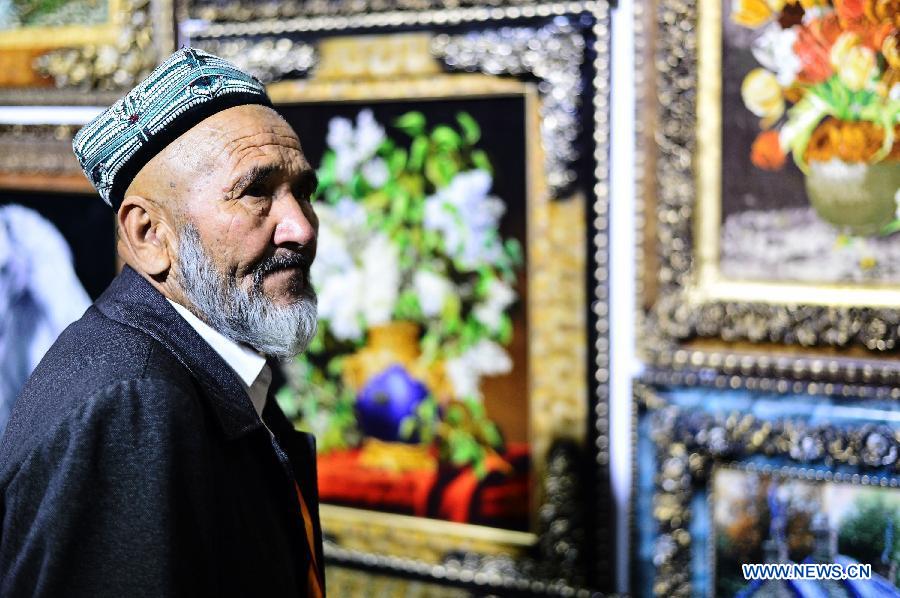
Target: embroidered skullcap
{"x": 189, "y": 86}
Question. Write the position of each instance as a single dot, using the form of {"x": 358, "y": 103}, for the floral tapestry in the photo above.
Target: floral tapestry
{"x": 811, "y": 105}
{"x": 421, "y": 342}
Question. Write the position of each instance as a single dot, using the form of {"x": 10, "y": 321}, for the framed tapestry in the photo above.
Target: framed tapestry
{"x": 40, "y": 158}
{"x": 458, "y": 382}
{"x": 55, "y": 52}
{"x": 769, "y": 177}
{"x": 726, "y": 478}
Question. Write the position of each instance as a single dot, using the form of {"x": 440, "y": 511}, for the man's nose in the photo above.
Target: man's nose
{"x": 293, "y": 225}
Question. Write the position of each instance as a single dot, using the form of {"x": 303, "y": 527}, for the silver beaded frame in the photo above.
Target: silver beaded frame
{"x": 775, "y": 346}
{"x": 274, "y": 44}
{"x": 689, "y": 445}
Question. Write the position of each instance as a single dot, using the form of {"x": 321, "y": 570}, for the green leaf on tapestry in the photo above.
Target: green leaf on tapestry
{"x": 414, "y": 184}
{"x": 448, "y": 169}
{"x": 400, "y": 204}
{"x": 427, "y": 409}
{"x": 335, "y": 366}
{"x": 435, "y": 173}
{"x": 479, "y": 467}
{"x": 417, "y": 153}
{"x": 513, "y": 250}
{"x": 325, "y": 173}
{"x": 451, "y": 308}
{"x": 890, "y": 228}
{"x": 471, "y": 333}
{"x": 431, "y": 240}
{"x": 415, "y": 215}
{"x": 317, "y": 344}
{"x": 377, "y": 201}
{"x": 397, "y": 161}
{"x": 481, "y": 161}
{"x": 285, "y": 400}
{"x": 411, "y": 123}
{"x": 463, "y": 448}
{"x": 475, "y": 407}
{"x": 492, "y": 434}
{"x": 455, "y": 415}
{"x": 358, "y": 186}
{"x": 504, "y": 331}
{"x": 446, "y": 138}
{"x": 386, "y": 147}
{"x": 407, "y": 427}
{"x": 407, "y": 306}
{"x": 470, "y": 128}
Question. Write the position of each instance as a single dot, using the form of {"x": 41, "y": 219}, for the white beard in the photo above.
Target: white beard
{"x": 251, "y": 318}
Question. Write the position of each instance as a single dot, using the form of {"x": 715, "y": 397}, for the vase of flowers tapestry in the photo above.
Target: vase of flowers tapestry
{"x": 415, "y": 286}
{"x": 827, "y": 91}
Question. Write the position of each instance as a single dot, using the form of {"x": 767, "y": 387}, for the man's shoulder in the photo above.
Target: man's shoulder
{"x": 96, "y": 366}
{"x": 94, "y": 353}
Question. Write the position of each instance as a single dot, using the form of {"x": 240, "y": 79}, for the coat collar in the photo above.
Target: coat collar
{"x": 132, "y": 300}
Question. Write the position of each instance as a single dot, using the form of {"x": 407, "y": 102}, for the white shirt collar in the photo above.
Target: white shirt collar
{"x": 249, "y": 365}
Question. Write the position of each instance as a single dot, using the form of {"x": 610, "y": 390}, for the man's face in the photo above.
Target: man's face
{"x": 252, "y": 207}
{"x": 246, "y": 228}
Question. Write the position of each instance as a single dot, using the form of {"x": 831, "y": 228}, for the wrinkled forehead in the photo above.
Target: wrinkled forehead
{"x": 231, "y": 133}
{"x": 216, "y": 145}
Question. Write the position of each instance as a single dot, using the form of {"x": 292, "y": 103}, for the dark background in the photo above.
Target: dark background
{"x": 87, "y": 225}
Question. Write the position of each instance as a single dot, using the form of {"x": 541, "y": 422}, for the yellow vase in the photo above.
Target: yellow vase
{"x": 859, "y": 199}
{"x": 389, "y": 344}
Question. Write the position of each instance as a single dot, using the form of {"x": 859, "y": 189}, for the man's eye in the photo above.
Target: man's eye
{"x": 255, "y": 191}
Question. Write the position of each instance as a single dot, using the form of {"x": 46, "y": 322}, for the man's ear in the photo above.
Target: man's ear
{"x": 146, "y": 235}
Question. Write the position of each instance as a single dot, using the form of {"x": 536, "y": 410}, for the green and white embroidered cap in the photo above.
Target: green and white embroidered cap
{"x": 189, "y": 86}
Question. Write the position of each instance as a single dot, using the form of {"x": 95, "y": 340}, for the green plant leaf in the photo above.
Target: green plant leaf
{"x": 446, "y": 138}
{"x": 434, "y": 172}
{"x": 358, "y": 186}
{"x": 417, "y": 153}
{"x": 335, "y": 366}
{"x": 479, "y": 467}
{"x": 492, "y": 434}
{"x": 513, "y": 250}
{"x": 505, "y": 330}
{"x": 411, "y": 123}
{"x": 407, "y": 427}
{"x": 325, "y": 174}
{"x": 397, "y": 161}
{"x": 890, "y": 228}
{"x": 454, "y": 415}
{"x": 470, "y": 128}
{"x": 481, "y": 161}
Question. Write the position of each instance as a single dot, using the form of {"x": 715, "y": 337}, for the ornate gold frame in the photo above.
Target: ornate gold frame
{"x": 568, "y": 404}
{"x": 556, "y": 269}
{"x": 696, "y": 322}
{"x": 103, "y": 59}
{"x": 65, "y": 35}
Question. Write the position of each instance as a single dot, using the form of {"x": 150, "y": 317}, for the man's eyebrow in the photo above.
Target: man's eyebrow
{"x": 256, "y": 175}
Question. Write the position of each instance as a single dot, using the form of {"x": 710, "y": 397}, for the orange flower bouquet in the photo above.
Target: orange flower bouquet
{"x": 827, "y": 92}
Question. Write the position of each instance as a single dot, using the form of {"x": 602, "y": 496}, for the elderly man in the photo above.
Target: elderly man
{"x": 146, "y": 456}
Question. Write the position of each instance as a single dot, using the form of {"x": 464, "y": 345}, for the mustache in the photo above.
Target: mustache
{"x": 283, "y": 261}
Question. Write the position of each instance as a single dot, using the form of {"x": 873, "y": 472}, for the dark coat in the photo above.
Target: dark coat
{"x": 135, "y": 465}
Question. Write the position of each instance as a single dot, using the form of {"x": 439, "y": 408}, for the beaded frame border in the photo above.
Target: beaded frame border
{"x": 689, "y": 445}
